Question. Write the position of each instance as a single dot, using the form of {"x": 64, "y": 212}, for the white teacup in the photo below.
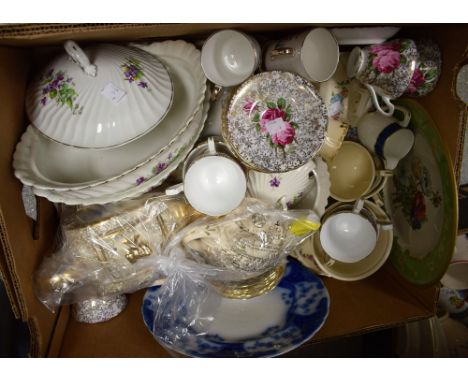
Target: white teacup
{"x": 350, "y": 235}
{"x": 229, "y": 57}
{"x": 386, "y": 137}
{"x": 313, "y": 54}
{"x": 214, "y": 184}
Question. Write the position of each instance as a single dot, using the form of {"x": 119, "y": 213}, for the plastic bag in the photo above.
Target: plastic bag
{"x": 110, "y": 249}
{"x": 212, "y": 257}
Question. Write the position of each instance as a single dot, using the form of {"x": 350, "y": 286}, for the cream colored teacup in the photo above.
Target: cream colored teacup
{"x": 353, "y": 173}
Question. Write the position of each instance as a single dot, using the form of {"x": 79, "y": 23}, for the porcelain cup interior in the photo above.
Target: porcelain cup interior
{"x": 352, "y": 172}
{"x": 350, "y": 234}
{"x": 213, "y": 182}
{"x": 229, "y": 57}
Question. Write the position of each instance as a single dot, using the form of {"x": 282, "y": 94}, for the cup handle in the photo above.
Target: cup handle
{"x": 385, "y": 173}
{"x": 216, "y": 90}
{"x": 378, "y": 200}
{"x": 175, "y": 190}
{"x": 282, "y": 52}
{"x": 391, "y": 107}
{"x": 385, "y": 225}
{"x": 211, "y": 146}
{"x": 358, "y": 205}
{"x": 406, "y": 116}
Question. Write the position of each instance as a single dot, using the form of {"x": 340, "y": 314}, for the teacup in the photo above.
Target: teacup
{"x": 312, "y": 255}
{"x": 349, "y": 234}
{"x": 353, "y": 173}
{"x": 213, "y": 183}
{"x": 286, "y": 188}
{"x": 428, "y": 69}
{"x": 229, "y": 57}
{"x": 386, "y": 137}
{"x": 313, "y": 54}
{"x": 385, "y": 69}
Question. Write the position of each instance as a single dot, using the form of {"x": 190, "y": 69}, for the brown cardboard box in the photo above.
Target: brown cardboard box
{"x": 382, "y": 300}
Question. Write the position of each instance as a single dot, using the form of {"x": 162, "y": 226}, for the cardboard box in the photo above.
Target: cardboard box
{"x": 380, "y": 301}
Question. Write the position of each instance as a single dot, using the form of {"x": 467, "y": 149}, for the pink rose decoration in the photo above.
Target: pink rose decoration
{"x": 249, "y": 107}
{"x": 392, "y": 45}
{"x": 284, "y": 136}
{"x": 270, "y": 115}
{"x": 416, "y": 81}
{"x": 386, "y": 61}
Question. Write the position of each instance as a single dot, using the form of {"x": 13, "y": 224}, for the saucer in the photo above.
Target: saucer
{"x": 275, "y": 122}
{"x": 264, "y": 326}
{"x": 312, "y": 255}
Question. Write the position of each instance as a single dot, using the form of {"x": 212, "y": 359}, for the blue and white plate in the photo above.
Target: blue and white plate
{"x": 264, "y": 326}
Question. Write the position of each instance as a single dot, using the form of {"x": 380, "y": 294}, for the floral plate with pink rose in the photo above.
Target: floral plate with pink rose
{"x": 275, "y": 122}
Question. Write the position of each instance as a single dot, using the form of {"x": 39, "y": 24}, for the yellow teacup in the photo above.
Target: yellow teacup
{"x": 353, "y": 173}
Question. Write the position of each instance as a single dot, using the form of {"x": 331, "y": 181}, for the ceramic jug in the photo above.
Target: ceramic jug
{"x": 387, "y": 137}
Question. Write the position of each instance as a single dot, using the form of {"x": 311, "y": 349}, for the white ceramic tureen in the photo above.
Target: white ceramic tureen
{"x": 103, "y": 96}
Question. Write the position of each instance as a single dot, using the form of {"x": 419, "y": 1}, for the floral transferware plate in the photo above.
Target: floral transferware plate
{"x": 103, "y": 96}
{"x": 264, "y": 326}
{"x": 317, "y": 198}
{"x": 275, "y": 122}
{"x": 422, "y": 200}
{"x": 46, "y": 164}
{"x": 142, "y": 179}
{"x": 312, "y": 255}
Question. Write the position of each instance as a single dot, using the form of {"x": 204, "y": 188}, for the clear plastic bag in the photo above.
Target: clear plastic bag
{"x": 110, "y": 249}
{"x": 207, "y": 260}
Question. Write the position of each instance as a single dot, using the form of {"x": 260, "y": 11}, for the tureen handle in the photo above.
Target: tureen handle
{"x": 80, "y": 57}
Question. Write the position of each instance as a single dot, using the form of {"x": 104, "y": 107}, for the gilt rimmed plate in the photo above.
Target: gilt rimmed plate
{"x": 265, "y": 326}
{"x": 275, "y": 122}
{"x": 142, "y": 179}
{"x": 422, "y": 200}
{"x": 45, "y": 164}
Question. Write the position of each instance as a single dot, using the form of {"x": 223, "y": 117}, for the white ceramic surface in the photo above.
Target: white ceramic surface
{"x": 214, "y": 185}
{"x": 317, "y": 198}
{"x": 229, "y": 57}
{"x": 45, "y": 164}
{"x": 128, "y": 95}
{"x": 313, "y": 54}
{"x": 348, "y": 237}
{"x": 142, "y": 179}
{"x": 312, "y": 255}
{"x": 363, "y": 35}
{"x": 386, "y": 137}
{"x": 271, "y": 187}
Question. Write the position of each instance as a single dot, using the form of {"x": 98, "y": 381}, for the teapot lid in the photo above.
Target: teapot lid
{"x": 103, "y": 96}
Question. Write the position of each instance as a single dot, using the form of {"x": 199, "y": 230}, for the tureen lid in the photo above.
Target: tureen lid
{"x": 275, "y": 122}
{"x": 103, "y": 96}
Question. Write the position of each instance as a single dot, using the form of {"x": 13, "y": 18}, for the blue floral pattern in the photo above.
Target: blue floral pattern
{"x": 307, "y": 302}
